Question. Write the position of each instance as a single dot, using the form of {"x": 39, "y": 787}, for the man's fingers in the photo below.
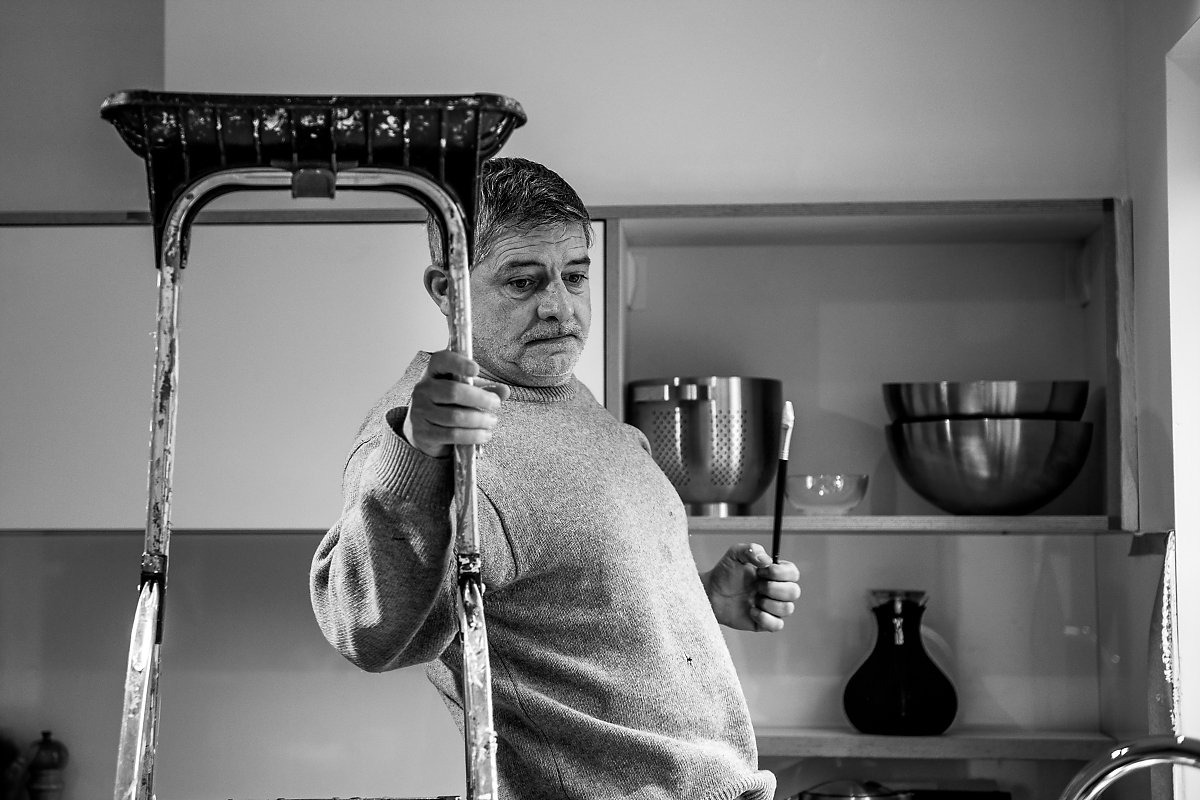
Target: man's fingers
{"x": 455, "y": 417}
{"x": 779, "y": 571}
{"x": 452, "y": 365}
{"x": 457, "y": 407}
{"x": 787, "y": 591}
{"x": 446, "y": 411}
{"x": 451, "y": 394}
{"x": 765, "y": 622}
{"x": 775, "y": 608}
{"x": 499, "y": 389}
{"x": 750, "y": 553}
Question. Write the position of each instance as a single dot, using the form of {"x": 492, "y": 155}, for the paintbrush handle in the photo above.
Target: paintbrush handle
{"x": 785, "y": 447}
{"x": 780, "y": 485}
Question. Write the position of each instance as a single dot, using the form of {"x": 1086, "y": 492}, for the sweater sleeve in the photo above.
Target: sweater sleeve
{"x": 382, "y": 581}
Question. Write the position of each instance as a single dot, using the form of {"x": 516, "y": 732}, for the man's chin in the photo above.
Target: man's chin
{"x": 550, "y": 370}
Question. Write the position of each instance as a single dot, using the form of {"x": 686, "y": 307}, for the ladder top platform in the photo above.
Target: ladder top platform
{"x": 184, "y": 137}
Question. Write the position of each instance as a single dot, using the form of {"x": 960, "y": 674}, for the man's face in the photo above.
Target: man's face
{"x": 531, "y": 305}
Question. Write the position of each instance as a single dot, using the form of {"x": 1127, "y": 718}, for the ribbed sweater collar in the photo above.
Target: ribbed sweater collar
{"x": 544, "y": 394}
{"x": 525, "y": 394}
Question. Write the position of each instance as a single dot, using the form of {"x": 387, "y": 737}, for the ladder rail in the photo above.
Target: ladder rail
{"x": 140, "y": 720}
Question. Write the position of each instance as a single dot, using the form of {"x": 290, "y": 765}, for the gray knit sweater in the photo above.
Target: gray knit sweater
{"x": 611, "y": 678}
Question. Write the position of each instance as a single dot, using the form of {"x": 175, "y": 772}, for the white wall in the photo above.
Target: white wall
{"x": 1183, "y": 158}
{"x": 1152, "y": 29}
{"x": 716, "y": 101}
{"x": 1167, "y": 175}
{"x": 60, "y": 59}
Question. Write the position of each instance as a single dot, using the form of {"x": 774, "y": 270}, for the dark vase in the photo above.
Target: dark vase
{"x": 899, "y": 690}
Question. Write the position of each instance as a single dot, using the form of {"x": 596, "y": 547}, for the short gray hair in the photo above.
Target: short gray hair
{"x": 515, "y": 194}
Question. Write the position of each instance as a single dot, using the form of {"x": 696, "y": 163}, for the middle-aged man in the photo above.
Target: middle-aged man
{"x": 611, "y": 677}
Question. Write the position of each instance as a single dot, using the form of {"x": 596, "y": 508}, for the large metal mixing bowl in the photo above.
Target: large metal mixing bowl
{"x": 716, "y": 438}
{"x": 989, "y": 466}
{"x": 909, "y": 402}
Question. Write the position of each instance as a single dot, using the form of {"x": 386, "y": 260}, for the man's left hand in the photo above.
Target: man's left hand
{"x": 750, "y": 592}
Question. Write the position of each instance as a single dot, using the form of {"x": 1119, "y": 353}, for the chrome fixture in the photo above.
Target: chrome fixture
{"x": 1129, "y": 757}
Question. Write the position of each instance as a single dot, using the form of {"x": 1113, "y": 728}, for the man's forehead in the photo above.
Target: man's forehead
{"x": 560, "y": 236}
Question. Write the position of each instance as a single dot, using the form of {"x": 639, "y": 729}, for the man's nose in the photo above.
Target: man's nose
{"x": 555, "y": 303}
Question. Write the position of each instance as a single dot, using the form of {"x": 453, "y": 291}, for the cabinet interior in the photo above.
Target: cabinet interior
{"x": 836, "y": 299}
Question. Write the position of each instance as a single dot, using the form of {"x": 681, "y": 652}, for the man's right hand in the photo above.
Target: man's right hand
{"x": 445, "y": 411}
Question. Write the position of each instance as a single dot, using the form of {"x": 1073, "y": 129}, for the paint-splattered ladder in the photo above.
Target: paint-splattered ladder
{"x": 197, "y": 147}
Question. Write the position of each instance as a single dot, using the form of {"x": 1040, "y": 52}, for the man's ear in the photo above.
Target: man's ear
{"x": 437, "y": 283}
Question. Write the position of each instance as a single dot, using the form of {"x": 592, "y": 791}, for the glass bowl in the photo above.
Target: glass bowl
{"x": 825, "y": 494}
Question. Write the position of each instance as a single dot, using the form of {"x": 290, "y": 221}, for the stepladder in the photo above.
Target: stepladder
{"x": 197, "y": 147}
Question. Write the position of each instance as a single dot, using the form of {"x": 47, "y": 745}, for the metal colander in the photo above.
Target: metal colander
{"x": 715, "y": 438}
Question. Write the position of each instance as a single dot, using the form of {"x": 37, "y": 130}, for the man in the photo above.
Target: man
{"x": 610, "y": 676}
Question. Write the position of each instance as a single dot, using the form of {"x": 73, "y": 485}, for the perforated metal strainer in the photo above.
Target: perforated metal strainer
{"x": 715, "y": 438}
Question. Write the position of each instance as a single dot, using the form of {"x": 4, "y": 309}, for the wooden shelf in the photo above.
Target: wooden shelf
{"x": 939, "y": 524}
{"x": 957, "y": 745}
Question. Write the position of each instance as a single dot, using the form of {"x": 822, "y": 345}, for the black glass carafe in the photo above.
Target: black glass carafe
{"x": 899, "y": 690}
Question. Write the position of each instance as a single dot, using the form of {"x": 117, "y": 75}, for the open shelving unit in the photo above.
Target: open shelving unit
{"x": 1094, "y": 238}
{"x": 1097, "y": 232}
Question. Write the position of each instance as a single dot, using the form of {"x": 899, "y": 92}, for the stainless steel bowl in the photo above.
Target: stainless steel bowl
{"x": 989, "y": 466}
{"x": 716, "y": 438}
{"x": 909, "y": 402}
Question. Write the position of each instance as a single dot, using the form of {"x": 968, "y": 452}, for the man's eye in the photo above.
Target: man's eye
{"x": 521, "y": 284}
{"x": 576, "y": 278}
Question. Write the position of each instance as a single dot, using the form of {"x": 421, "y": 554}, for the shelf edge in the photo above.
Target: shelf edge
{"x": 932, "y": 524}
{"x": 964, "y": 745}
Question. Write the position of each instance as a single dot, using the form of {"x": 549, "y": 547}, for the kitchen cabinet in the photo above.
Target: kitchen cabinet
{"x": 292, "y": 323}
{"x": 834, "y": 299}
{"x": 286, "y": 334}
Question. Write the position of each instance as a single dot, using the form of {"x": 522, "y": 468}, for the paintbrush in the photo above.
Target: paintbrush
{"x": 785, "y": 446}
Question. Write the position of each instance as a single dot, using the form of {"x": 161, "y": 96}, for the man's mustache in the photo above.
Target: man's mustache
{"x": 553, "y": 332}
